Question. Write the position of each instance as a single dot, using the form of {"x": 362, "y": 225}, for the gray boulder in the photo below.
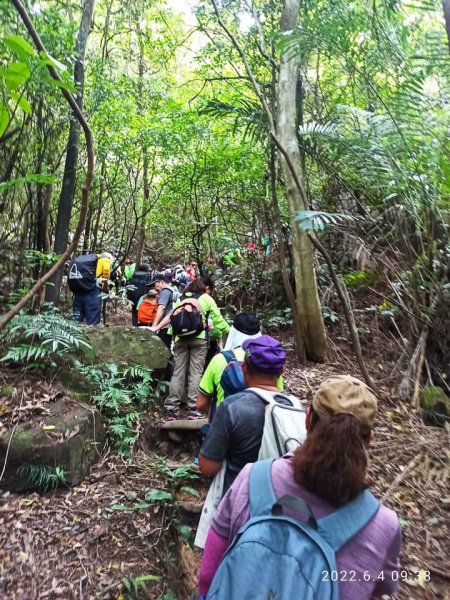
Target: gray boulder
{"x": 70, "y": 438}
{"x": 126, "y": 346}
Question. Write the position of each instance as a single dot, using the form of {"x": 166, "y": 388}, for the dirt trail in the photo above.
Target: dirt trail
{"x": 120, "y": 534}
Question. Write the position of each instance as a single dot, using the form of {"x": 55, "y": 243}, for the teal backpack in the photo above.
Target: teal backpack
{"x": 275, "y": 557}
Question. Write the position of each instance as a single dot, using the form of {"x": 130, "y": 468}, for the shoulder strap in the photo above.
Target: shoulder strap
{"x": 341, "y": 525}
{"x": 229, "y": 356}
{"x": 267, "y": 395}
{"x": 262, "y": 497}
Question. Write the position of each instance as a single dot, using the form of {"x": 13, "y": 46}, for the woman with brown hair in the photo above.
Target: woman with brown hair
{"x": 327, "y": 472}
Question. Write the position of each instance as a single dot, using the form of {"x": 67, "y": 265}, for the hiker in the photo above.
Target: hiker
{"x": 87, "y": 279}
{"x": 214, "y": 334}
{"x": 165, "y": 307}
{"x": 147, "y": 308}
{"x": 137, "y": 287}
{"x": 257, "y": 422}
{"x": 192, "y": 270}
{"x": 128, "y": 270}
{"x": 190, "y": 350}
{"x": 245, "y": 326}
{"x": 236, "y": 432}
{"x": 328, "y": 473}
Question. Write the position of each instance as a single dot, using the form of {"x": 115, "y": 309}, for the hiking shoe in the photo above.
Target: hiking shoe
{"x": 193, "y": 415}
{"x": 172, "y": 415}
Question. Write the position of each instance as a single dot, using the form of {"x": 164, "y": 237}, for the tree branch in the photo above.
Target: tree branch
{"x": 86, "y": 185}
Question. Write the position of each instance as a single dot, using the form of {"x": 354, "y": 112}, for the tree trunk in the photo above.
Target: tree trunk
{"x": 142, "y": 232}
{"x": 305, "y": 279}
{"x": 446, "y": 7}
{"x": 69, "y": 178}
{"x": 299, "y": 343}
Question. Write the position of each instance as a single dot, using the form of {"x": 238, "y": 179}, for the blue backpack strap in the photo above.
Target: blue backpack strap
{"x": 229, "y": 356}
{"x": 341, "y": 525}
{"x": 262, "y": 497}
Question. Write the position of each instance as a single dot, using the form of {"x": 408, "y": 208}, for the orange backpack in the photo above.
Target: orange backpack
{"x": 147, "y": 311}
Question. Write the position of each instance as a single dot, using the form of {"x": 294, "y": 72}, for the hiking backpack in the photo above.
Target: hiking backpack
{"x": 138, "y": 286}
{"x": 147, "y": 311}
{"x": 276, "y": 557}
{"x": 232, "y": 378}
{"x": 284, "y": 423}
{"x": 187, "y": 320}
{"x": 82, "y": 272}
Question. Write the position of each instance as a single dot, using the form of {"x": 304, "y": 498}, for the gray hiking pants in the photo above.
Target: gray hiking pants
{"x": 189, "y": 357}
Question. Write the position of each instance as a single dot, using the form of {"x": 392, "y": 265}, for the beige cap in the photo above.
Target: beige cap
{"x": 344, "y": 394}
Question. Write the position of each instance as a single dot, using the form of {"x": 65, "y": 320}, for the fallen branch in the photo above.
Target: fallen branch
{"x": 86, "y": 185}
{"x": 444, "y": 574}
{"x": 409, "y": 467}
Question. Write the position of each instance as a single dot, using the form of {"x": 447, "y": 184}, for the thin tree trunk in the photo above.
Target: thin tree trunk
{"x": 48, "y": 190}
{"x": 299, "y": 343}
{"x": 142, "y": 232}
{"x": 446, "y": 7}
{"x": 69, "y": 177}
{"x": 308, "y": 302}
{"x": 145, "y": 199}
{"x": 37, "y": 287}
{"x": 101, "y": 191}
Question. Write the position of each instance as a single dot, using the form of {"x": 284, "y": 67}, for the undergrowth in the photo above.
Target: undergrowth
{"x": 41, "y": 340}
{"x": 44, "y": 478}
{"x": 123, "y": 396}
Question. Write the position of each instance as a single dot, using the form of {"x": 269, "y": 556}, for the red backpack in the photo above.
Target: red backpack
{"x": 147, "y": 311}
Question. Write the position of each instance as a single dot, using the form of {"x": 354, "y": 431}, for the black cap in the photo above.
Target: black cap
{"x": 247, "y": 322}
{"x": 157, "y": 277}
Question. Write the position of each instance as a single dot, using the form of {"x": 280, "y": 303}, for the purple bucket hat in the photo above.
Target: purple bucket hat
{"x": 264, "y": 354}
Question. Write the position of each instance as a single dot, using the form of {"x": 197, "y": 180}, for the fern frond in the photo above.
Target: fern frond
{"x": 315, "y": 220}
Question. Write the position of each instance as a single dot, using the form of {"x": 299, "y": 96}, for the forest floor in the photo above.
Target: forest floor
{"x": 120, "y": 534}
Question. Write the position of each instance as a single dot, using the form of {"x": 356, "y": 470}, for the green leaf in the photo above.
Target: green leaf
{"x": 158, "y": 495}
{"x": 4, "y": 118}
{"x": 22, "y": 102}
{"x": 19, "y": 46}
{"x": 15, "y": 74}
{"x": 119, "y": 507}
{"x": 66, "y": 85}
{"x": 190, "y": 490}
{"x": 47, "y": 59}
{"x": 29, "y": 177}
{"x": 185, "y": 532}
{"x": 140, "y": 505}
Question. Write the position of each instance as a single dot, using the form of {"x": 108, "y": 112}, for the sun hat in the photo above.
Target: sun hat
{"x": 247, "y": 322}
{"x": 344, "y": 394}
{"x": 265, "y": 354}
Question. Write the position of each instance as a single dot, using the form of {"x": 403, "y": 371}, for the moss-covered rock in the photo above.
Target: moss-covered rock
{"x": 71, "y": 438}
{"x": 435, "y": 405}
{"x": 126, "y": 346}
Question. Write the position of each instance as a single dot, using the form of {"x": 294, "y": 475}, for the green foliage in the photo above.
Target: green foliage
{"x": 42, "y": 259}
{"x": 279, "y": 318}
{"x": 135, "y": 584}
{"x": 44, "y": 478}
{"x": 41, "y": 340}
{"x": 355, "y": 279}
{"x": 316, "y": 220}
{"x": 169, "y": 595}
{"x": 329, "y": 315}
{"x": 177, "y": 475}
{"x": 123, "y": 396}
